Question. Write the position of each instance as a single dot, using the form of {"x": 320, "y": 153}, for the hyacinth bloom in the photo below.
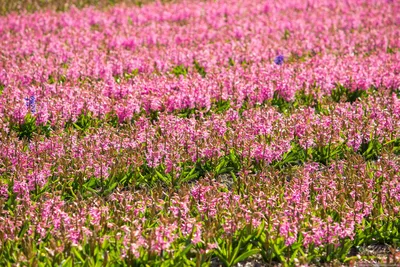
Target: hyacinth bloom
{"x": 279, "y": 60}
{"x": 200, "y": 132}
{"x": 30, "y": 103}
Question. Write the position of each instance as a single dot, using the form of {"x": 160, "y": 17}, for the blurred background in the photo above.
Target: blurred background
{"x": 9, "y": 6}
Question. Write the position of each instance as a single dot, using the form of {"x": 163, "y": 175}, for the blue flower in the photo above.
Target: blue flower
{"x": 279, "y": 60}
{"x": 30, "y": 103}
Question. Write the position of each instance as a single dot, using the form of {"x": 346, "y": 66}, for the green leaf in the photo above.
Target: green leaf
{"x": 180, "y": 70}
{"x": 191, "y": 175}
{"x": 245, "y": 255}
{"x": 233, "y": 157}
{"x": 185, "y": 250}
{"x": 344, "y": 251}
{"x": 111, "y": 188}
{"x": 220, "y": 166}
{"x": 278, "y": 252}
{"x": 164, "y": 178}
{"x": 236, "y": 250}
{"x": 2, "y": 86}
{"x": 68, "y": 262}
{"x": 294, "y": 254}
{"x": 260, "y": 230}
{"x": 23, "y": 230}
{"x": 90, "y": 183}
{"x": 199, "y": 69}
{"x": 77, "y": 254}
{"x": 77, "y": 126}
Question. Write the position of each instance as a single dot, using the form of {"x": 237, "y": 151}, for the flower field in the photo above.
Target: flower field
{"x": 201, "y": 133}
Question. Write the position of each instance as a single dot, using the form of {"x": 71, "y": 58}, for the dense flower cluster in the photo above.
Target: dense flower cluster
{"x": 142, "y": 130}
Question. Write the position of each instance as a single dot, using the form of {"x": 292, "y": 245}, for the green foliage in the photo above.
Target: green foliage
{"x": 245, "y": 64}
{"x": 186, "y": 113}
{"x": 217, "y": 107}
{"x": 61, "y": 79}
{"x": 301, "y": 100}
{"x": 180, "y": 70}
{"x": 84, "y": 122}
{"x": 28, "y": 128}
{"x": 227, "y": 164}
{"x": 273, "y": 249}
{"x": 371, "y": 150}
{"x": 77, "y": 186}
{"x": 391, "y": 50}
{"x": 281, "y": 104}
{"x": 153, "y": 114}
{"x": 295, "y": 156}
{"x": 231, "y": 62}
{"x": 303, "y": 57}
{"x": 2, "y": 86}
{"x": 199, "y": 69}
{"x": 378, "y": 232}
{"x": 180, "y": 255}
{"x": 239, "y": 247}
{"x": 325, "y": 154}
{"x": 126, "y": 76}
{"x": 393, "y": 145}
{"x": 286, "y": 34}
{"x": 146, "y": 176}
{"x": 342, "y": 93}
{"x": 92, "y": 252}
{"x": 132, "y": 74}
{"x": 221, "y": 106}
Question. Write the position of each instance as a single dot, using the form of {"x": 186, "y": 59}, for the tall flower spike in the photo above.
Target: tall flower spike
{"x": 30, "y": 103}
